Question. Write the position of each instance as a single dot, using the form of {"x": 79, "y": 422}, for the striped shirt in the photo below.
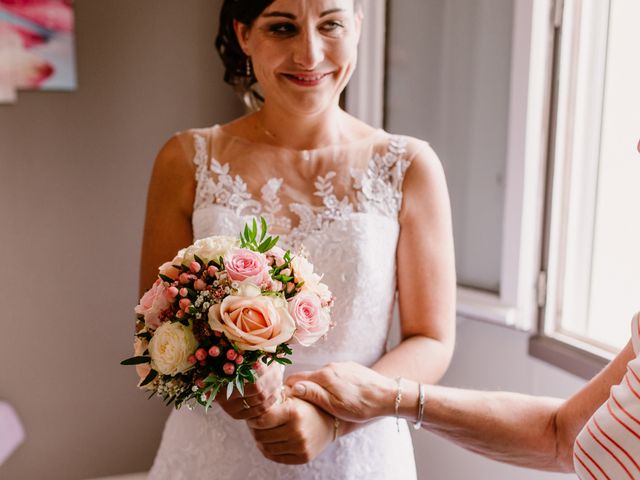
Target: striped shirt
{"x": 608, "y": 447}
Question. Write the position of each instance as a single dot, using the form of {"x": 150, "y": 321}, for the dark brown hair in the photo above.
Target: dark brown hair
{"x": 233, "y": 58}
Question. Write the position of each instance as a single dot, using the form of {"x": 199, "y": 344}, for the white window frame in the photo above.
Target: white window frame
{"x": 516, "y": 304}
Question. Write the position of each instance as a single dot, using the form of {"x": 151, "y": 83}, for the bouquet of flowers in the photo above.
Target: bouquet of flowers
{"x": 222, "y": 305}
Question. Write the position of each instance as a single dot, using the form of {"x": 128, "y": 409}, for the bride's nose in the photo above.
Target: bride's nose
{"x": 308, "y": 50}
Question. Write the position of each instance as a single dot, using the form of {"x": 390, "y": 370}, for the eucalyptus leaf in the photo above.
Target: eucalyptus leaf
{"x": 149, "y": 378}
{"x": 165, "y": 278}
{"x": 240, "y": 385}
{"x": 229, "y": 390}
{"x": 136, "y": 360}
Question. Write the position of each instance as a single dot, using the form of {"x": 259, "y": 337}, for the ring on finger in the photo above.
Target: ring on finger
{"x": 245, "y": 404}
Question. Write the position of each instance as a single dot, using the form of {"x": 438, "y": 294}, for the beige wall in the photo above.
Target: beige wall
{"x": 73, "y": 173}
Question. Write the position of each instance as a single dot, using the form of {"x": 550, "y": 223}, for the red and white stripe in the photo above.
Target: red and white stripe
{"x": 608, "y": 447}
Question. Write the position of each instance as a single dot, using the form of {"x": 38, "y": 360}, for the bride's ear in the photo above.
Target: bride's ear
{"x": 242, "y": 34}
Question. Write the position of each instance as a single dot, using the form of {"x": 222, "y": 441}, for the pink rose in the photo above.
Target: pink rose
{"x": 246, "y": 265}
{"x": 276, "y": 254}
{"x": 152, "y": 304}
{"x": 312, "y": 321}
{"x": 253, "y": 322}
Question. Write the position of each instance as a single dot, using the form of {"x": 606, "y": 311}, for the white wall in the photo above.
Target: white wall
{"x": 74, "y": 168}
{"x": 490, "y": 357}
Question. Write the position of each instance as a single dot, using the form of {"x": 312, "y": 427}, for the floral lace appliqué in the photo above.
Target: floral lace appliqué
{"x": 378, "y": 190}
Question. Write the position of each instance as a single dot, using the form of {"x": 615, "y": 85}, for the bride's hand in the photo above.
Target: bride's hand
{"x": 347, "y": 390}
{"x": 258, "y": 397}
{"x": 293, "y": 432}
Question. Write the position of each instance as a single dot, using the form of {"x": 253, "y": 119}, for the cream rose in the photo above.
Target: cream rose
{"x": 170, "y": 347}
{"x": 253, "y": 322}
{"x": 207, "y": 249}
{"x": 303, "y": 272}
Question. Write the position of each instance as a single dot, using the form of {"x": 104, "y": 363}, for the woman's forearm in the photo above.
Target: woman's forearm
{"x": 508, "y": 427}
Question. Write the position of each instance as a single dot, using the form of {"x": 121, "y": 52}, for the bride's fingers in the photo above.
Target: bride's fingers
{"x": 274, "y": 435}
{"x": 274, "y": 417}
{"x": 282, "y": 448}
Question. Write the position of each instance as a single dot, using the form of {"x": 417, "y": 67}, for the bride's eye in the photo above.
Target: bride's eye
{"x": 282, "y": 29}
{"x": 332, "y": 26}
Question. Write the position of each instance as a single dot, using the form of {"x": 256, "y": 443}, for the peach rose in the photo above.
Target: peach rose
{"x": 246, "y": 265}
{"x": 142, "y": 369}
{"x": 253, "y": 321}
{"x": 152, "y": 304}
{"x": 168, "y": 270}
{"x": 312, "y": 321}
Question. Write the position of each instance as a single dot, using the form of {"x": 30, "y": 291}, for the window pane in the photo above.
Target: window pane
{"x": 448, "y": 83}
{"x": 595, "y": 232}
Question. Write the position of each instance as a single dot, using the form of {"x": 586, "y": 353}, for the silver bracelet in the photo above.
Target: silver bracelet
{"x": 397, "y": 402}
{"x": 421, "y": 397}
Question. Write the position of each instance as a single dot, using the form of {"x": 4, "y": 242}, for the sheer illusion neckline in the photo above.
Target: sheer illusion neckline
{"x": 352, "y": 143}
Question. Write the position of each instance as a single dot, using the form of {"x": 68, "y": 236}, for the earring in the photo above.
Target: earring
{"x": 247, "y": 67}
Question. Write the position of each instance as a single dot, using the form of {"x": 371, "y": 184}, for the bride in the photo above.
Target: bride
{"x": 370, "y": 208}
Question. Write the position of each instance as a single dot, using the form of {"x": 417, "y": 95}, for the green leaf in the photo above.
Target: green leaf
{"x": 229, "y": 390}
{"x": 254, "y": 229}
{"x": 199, "y": 260}
{"x": 135, "y": 360}
{"x": 212, "y": 398}
{"x": 283, "y": 361}
{"x": 149, "y": 378}
{"x": 264, "y": 246}
{"x": 240, "y": 385}
{"x": 263, "y": 228}
{"x": 164, "y": 278}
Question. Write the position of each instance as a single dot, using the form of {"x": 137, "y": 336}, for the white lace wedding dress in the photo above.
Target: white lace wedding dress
{"x": 341, "y": 204}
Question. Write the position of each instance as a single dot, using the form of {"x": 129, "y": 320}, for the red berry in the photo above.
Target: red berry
{"x": 229, "y": 368}
{"x": 214, "y": 351}
{"x": 201, "y": 354}
{"x": 199, "y": 383}
{"x": 232, "y": 354}
{"x": 192, "y": 359}
{"x": 239, "y": 359}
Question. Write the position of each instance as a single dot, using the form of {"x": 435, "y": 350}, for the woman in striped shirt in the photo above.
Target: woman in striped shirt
{"x": 596, "y": 432}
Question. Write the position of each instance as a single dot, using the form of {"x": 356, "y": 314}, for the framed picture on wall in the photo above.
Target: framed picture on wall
{"x": 37, "y": 48}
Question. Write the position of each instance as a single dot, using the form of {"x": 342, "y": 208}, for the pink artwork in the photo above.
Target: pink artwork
{"x": 36, "y": 46}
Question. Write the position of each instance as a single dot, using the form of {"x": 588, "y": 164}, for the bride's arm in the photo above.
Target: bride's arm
{"x": 425, "y": 274}
{"x": 167, "y": 229}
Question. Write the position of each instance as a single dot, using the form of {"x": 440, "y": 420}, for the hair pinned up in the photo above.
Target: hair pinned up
{"x": 237, "y": 70}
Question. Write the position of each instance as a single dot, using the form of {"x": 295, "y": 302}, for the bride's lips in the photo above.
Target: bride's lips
{"x": 306, "y": 79}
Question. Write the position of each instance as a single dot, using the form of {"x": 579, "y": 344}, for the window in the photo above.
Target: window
{"x": 592, "y": 259}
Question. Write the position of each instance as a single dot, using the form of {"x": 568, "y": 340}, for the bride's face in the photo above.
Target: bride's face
{"x": 303, "y": 51}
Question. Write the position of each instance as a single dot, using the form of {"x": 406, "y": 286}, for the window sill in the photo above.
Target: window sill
{"x": 576, "y": 357}
{"x": 484, "y": 306}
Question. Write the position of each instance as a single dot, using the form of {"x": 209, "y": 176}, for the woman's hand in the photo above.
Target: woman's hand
{"x": 346, "y": 390}
{"x": 258, "y": 397}
{"x": 293, "y": 432}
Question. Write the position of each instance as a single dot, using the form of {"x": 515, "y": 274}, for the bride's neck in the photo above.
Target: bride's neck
{"x": 302, "y": 132}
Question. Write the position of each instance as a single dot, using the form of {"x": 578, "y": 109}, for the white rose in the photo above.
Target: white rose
{"x": 207, "y": 249}
{"x": 170, "y": 348}
{"x": 303, "y": 272}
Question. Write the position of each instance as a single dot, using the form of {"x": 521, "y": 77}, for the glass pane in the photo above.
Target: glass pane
{"x": 448, "y": 83}
{"x": 599, "y": 254}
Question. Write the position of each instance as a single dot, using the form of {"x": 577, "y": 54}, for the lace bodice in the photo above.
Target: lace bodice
{"x": 341, "y": 204}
